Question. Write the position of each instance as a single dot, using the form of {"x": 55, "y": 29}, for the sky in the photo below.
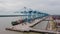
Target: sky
{"x": 47, "y": 6}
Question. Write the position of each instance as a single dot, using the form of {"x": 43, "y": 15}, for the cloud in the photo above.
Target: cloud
{"x": 48, "y": 6}
{"x": 11, "y": 5}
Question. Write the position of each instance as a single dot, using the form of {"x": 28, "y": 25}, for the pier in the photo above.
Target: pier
{"x": 36, "y": 22}
{"x": 30, "y": 27}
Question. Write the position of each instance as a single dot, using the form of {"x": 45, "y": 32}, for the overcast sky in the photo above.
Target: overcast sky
{"x": 48, "y": 6}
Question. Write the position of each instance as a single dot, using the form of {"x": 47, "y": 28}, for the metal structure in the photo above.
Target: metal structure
{"x": 33, "y": 14}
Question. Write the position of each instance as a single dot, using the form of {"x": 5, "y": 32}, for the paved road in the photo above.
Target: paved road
{"x": 42, "y": 25}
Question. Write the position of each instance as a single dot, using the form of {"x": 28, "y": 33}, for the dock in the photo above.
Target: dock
{"x": 29, "y": 27}
{"x": 30, "y": 24}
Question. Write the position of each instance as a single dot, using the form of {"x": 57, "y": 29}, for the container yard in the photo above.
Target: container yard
{"x": 35, "y": 22}
{"x": 37, "y": 25}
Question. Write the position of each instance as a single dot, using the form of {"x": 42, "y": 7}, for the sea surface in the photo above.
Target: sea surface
{"x": 6, "y": 22}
